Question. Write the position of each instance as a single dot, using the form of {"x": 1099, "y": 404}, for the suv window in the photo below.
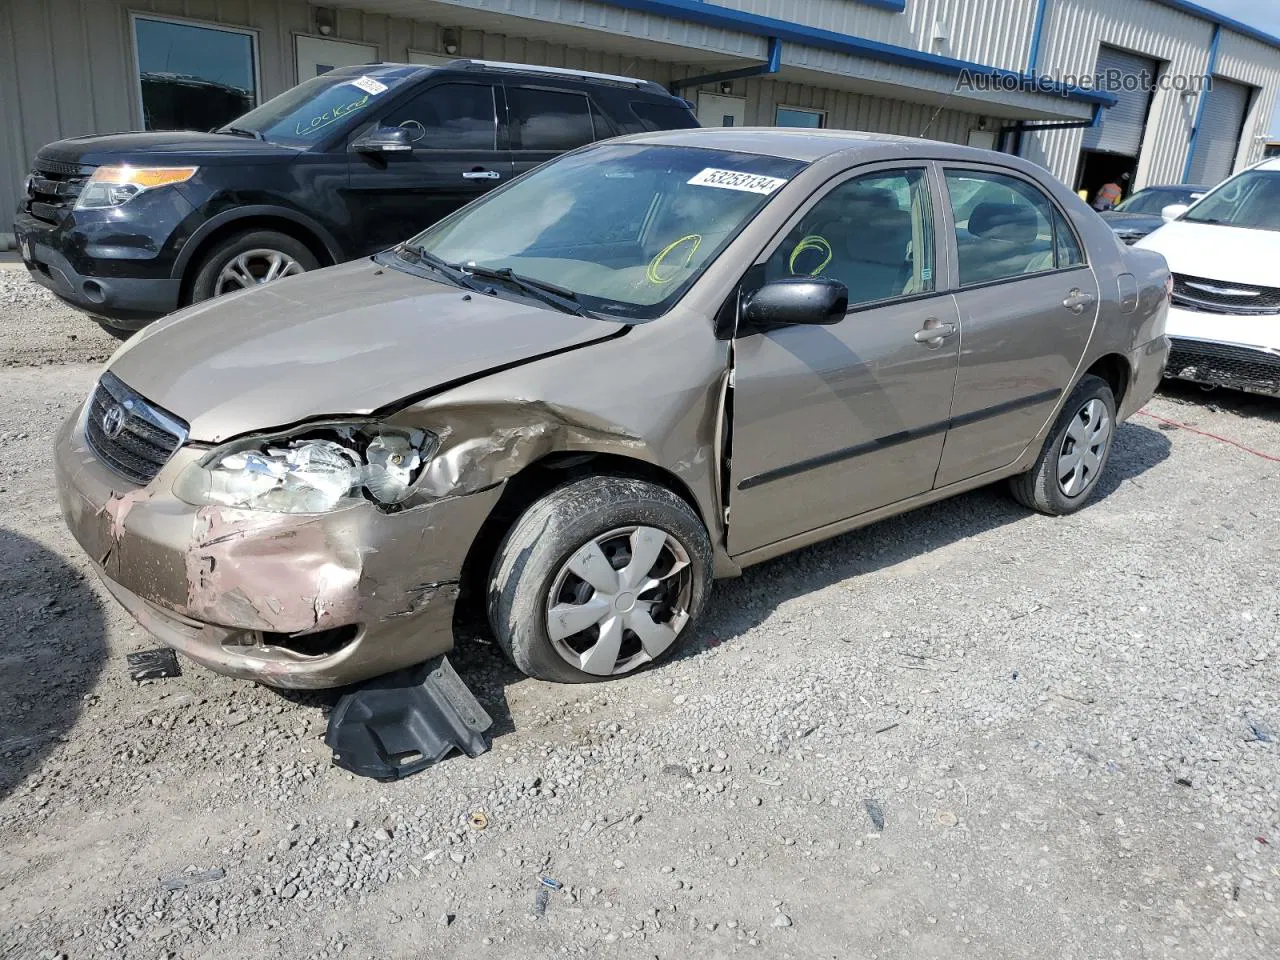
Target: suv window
{"x": 873, "y": 233}
{"x": 1005, "y": 228}
{"x": 548, "y": 119}
{"x": 662, "y": 116}
{"x": 450, "y": 116}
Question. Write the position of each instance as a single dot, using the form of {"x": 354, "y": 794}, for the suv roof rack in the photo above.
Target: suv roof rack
{"x": 635, "y": 82}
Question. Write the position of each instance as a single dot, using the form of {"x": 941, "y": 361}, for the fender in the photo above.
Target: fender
{"x": 193, "y": 243}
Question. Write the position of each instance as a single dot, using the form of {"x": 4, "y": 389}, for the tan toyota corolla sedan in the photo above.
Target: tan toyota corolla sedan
{"x": 579, "y": 400}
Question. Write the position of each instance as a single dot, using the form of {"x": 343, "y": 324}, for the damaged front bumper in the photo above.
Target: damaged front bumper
{"x": 289, "y": 600}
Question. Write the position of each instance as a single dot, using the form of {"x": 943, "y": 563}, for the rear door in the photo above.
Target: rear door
{"x": 832, "y": 421}
{"x": 457, "y": 156}
{"x": 546, "y": 120}
{"x": 1027, "y": 301}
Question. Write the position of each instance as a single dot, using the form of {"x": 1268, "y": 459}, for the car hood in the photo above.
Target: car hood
{"x": 162, "y": 147}
{"x": 1234, "y": 254}
{"x": 348, "y": 340}
{"x": 1122, "y": 222}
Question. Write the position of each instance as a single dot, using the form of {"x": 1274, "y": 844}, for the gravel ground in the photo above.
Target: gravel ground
{"x": 38, "y": 328}
{"x": 968, "y": 731}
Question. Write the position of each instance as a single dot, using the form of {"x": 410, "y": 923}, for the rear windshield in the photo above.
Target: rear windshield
{"x": 311, "y": 110}
{"x": 663, "y": 116}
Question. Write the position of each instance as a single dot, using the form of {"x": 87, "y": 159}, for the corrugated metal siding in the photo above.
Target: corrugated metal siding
{"x": 1073, "y": 31}
{"x": 1258, "y": 65}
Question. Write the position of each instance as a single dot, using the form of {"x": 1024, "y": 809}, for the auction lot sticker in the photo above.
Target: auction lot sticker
{"x": 736, "y": 180}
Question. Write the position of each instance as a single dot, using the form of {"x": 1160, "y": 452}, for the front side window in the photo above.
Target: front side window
{"x": 548, "y": 119}
{"x": 1249, "y": 200}
{"x": 1006, "y": 228}
{"x": 449, "y": 116}
{"x": 194, "y": 77}
{"x": 873, "y": 233}
{"x": 625, "y": 227}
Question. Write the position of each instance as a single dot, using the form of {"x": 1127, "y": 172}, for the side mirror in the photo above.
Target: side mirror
{"x": 1173, "y": 211}
{"x": 384, "y": 140}
{"x": 798, "y": 300}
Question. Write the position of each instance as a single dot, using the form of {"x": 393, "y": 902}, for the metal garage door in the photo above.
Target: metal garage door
{"x": 1121, "y": 128}
{"x": 1218, "y": 134}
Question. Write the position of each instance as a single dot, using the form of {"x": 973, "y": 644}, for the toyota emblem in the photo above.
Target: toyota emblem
{"x": 113, "y": 421}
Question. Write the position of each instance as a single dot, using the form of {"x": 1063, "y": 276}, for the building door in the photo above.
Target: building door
{"x": 1111, "y": 149}
{"x": 317, "y": 55}
{"x": 717, "y": 110}
{"x": 1217, "y": 135}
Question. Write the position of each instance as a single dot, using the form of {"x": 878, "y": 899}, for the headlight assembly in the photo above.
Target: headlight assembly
{"x": 311, "y": 470}
{"x": 113, "y": 186}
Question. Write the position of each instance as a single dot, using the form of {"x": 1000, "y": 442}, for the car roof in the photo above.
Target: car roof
{"x": 1273, "y": 163}
{"x": 807, "y": 145}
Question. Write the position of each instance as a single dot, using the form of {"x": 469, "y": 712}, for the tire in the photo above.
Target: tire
{"x": 260, "y": 250}
{"x": 1076, "y": 435}
{"x": 120, "y": 333}
{"x": 618, "y": 517}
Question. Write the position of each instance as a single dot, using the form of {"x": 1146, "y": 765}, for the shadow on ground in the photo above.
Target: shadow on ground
{"x": 51, "y": 653}
{"x": 1250, "y": 406}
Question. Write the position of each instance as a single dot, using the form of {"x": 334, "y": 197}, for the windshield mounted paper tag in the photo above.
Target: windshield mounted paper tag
{"x": 369, "y": 85}
{"x": 736, "y": 180}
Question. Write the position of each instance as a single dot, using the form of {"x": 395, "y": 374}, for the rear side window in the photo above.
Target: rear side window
{"x": 548, "y": 119}
{"x": 663, "y": 116}
{"x": 1006, "y": 228}
{"x": 449, "y": 116}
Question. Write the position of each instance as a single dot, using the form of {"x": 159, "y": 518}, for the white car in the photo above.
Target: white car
{"x": 1224, "y": 251}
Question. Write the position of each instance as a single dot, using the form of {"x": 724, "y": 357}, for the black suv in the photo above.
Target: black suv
{"x": 131, "y": 226}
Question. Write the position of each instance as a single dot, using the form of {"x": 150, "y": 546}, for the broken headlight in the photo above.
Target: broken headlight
{"x": 310, "y": 471}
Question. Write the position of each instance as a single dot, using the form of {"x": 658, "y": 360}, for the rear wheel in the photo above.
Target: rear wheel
{"x": 599, "y": 578}
{"x": 248, "y": 260}
{"x": 1075, "y": 453}
{"x": 120, "y": 333}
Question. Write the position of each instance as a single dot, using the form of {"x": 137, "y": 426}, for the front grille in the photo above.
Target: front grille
{"x": 1223, "y": 364}
{"x": 145, "y": 436}
{"x": 1219, "y": 296}
{"x": 53, "y": 186}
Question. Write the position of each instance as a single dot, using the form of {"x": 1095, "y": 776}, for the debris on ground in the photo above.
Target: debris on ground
{"x": 876, "y": 813}
{"x": 193, "y": 878}
{"x": 157, "y": 664}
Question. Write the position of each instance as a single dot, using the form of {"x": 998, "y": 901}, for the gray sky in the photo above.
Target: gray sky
{"x": 1263, "y": 14}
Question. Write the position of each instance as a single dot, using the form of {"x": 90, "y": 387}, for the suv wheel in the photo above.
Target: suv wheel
{"x": 599, "y": 578}
{"x": 248, "y": 260}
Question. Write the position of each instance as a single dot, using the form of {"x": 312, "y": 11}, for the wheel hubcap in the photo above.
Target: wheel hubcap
{"x": 1083, "y": 448}
{"x": 253, "y": 268}
{"x": 620, "y": 600}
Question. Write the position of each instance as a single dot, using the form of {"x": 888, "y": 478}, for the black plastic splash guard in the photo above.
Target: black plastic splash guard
{"x": 395, "y": 725}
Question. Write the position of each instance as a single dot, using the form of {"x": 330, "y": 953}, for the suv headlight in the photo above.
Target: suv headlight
{"x": 112, "y": 186}
{"x": 311, "y": 470}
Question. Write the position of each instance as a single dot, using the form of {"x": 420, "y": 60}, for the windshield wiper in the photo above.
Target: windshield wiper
{"x": 242, "y": 132}
{"x": 416, "y": 254}
{"x": 551, "y": 294}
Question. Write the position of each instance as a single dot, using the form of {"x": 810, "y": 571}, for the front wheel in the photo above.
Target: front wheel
{"x": 1075, "y": 453}
{"x": 599, "y": 578}
{"x": 248, "y": 260}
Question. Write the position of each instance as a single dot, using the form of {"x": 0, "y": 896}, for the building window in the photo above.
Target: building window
{"x": 194, "y": 76}
{"x": 797, "y": 117}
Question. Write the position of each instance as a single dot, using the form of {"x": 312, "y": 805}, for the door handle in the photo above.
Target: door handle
{"x": 1077, "y": 300}
{"x": 934, "y": 332}
{"x": 481, "y": 175}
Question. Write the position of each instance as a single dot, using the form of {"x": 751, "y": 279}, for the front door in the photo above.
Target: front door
{"x": 1027, "y": 303}
{"x": 832, "y": 421}
{"x": 456, "y": 158}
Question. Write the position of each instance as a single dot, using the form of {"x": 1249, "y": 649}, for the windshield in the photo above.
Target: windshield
{"x": 1249, "y": 200}
{"x": 1153, "y": 200}
{"x": 626, "y": 228}
{"x": 302, "y": 115}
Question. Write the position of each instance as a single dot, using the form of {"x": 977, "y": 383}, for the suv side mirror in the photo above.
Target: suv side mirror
{"x": 798, "y": 300}
{"x": 384, "y": 140}
{"x": 1173, "y": 211}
